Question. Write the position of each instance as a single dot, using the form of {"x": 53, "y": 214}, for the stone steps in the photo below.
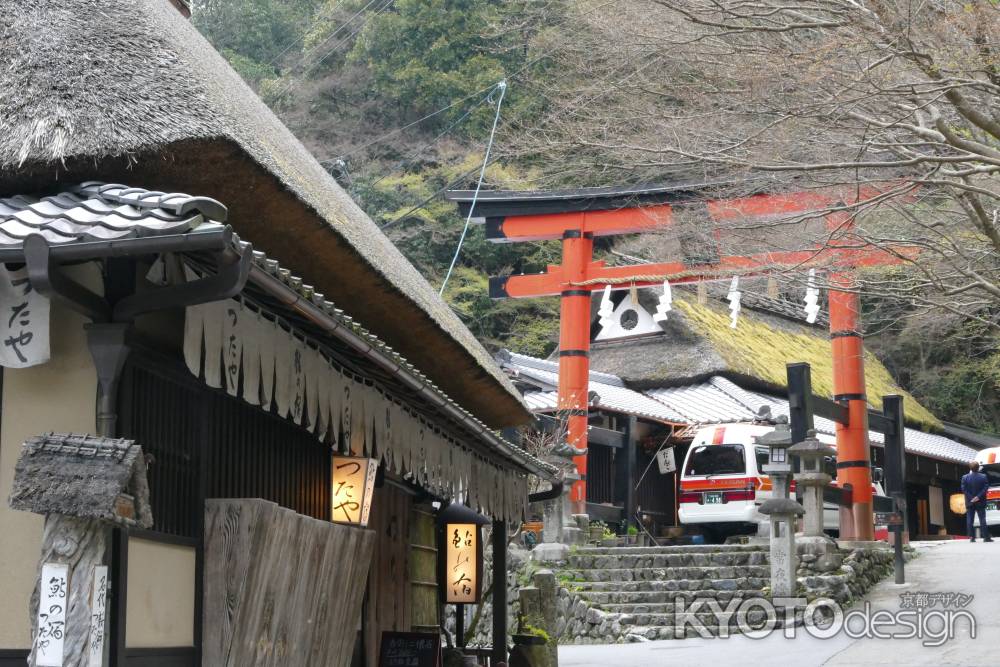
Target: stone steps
{"x": 680, "y": 549}
{"x": 671, "y": 607}
{"x": 628, "y": 561}
{"x": 631, "y": 593}
{"x": 607, "y": 600}
{"x": 723, "y": 584}
{"x": 668, "y": 573}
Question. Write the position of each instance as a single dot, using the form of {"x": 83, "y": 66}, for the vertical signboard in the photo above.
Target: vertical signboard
{"x": 351, "y": 493}
{"x": 53, "y": 600}
{"x": 98, "y": 617}
{"x": 461, "y": 570}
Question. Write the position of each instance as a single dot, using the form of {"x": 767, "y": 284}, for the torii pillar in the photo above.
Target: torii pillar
{"x": 577, "y": 216}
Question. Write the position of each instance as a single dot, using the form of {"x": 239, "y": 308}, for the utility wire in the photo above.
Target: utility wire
{"x": 316, "y": 63}
{"x": 416, "y": 153}
{"x": 458, "y": 179}
{"x": 391, "y": 133}
{"x": 321, "y": 14}
{"x": 502, "y": 87}
{"x": 519, "y": 73}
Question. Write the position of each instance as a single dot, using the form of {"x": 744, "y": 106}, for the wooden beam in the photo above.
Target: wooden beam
{"x": 604, "y": 436}
{"x": 553, "y": 282}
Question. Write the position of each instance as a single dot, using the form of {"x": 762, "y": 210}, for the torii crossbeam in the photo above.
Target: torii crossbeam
{"x": 577, "y": 216}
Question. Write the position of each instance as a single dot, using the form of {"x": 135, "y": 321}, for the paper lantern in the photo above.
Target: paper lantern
{"x": 351, "y": 492}
{"x": 460, "y": 566}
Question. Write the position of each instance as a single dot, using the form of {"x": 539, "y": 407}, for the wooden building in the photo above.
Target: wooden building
{"x": 652, "y": 384}
{"x": 183, "y": 253}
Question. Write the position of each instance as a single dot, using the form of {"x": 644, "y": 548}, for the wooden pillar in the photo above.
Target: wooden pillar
{"x": 499, "y": 592}
{"x": 895, "y": 476}
{"x": 853, "y": 463}
{"x": 574, "y": 352}
{"x": 631, "y": 442}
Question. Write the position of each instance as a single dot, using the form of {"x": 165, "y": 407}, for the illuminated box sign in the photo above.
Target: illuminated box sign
{"x": 351, "y": 493}
{"x": 461, "y": 563}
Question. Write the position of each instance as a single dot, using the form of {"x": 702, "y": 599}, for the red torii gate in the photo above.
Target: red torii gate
{"x": 577, "y": 216}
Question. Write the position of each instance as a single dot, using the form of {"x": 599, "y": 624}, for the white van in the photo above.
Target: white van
{"x": 723, "y": 484}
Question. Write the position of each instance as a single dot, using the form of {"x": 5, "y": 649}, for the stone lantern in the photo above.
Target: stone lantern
{"x": 781, "y": 510}
{"x": 811, "y": 479}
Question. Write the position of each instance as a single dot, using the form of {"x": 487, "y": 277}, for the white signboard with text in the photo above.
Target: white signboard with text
{"x": 665, "y": 460}
{"x": 52, "y": 603}
{"x": 98, "y": 617}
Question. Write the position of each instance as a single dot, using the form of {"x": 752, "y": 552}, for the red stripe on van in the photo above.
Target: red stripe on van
{"x": 719, "y": 435}
{"x": 716, "y": 484}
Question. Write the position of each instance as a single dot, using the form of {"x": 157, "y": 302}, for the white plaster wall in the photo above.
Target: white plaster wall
{"x": 161, "y": 589}
{"x": 57, "y": 396}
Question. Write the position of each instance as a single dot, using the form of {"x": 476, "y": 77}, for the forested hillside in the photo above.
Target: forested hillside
{"x": 397, "y": 98}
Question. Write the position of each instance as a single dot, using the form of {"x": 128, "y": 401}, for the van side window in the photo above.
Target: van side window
{"x": 762, "y": 456}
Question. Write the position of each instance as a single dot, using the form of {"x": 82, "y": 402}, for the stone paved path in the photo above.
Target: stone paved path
{"x": 943, "y": 567}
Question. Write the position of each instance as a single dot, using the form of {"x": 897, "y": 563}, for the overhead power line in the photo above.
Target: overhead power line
{"x": 502, "y": 87}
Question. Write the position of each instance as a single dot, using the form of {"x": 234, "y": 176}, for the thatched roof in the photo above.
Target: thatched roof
{"x": 128, "y": 91}
{"x": 82, "y": 476}
{"x": 698, "y": 343}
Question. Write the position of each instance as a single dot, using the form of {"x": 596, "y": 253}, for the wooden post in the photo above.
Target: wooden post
{"x": 80, "y": 545}
{"x": 499, "y": 592}
{"x": 800, "y": 400}
{"x": 630, "y": 489}
{"x": 460, "y": 625}
{"x": 895, "y": 476}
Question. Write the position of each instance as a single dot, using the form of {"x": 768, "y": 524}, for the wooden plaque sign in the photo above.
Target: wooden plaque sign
{"x": 409, "y": 649}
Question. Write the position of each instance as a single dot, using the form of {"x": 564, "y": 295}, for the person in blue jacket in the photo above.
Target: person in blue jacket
{"x": 975, "y": 486}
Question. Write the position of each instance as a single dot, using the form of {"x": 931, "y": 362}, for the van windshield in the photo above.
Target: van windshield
{"x": 717, "y": 460}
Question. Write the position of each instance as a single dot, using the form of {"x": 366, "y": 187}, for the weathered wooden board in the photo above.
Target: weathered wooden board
{"x": 388, "y": 604}
{"x": 280, "y": 588}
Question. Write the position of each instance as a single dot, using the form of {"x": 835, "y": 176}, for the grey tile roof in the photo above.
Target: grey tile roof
{"x": 716, "y": 400}
{"x": 104, "y": 212}
{"x": 720, "y": 400}
{"x": 610, "y": 390}
{"x": 96, "y": 211}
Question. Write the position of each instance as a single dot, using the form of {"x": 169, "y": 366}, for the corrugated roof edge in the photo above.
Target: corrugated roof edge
{"x": 396, "y": 362}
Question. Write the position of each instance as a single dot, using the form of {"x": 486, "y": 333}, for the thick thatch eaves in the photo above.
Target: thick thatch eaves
{"x": 129, "y": 92}
{"x": 83, "y": 476}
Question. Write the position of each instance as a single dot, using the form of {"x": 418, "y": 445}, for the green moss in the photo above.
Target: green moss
{"x": 759, "y": 350}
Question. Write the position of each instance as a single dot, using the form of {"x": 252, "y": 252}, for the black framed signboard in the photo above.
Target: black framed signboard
{"x": 409, "y": 649}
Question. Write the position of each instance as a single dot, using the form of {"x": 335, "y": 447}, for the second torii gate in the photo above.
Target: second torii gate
{"x": 578, "y": 216}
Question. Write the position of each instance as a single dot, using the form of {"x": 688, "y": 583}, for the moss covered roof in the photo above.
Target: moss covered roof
{"x": 760, "y": 348}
